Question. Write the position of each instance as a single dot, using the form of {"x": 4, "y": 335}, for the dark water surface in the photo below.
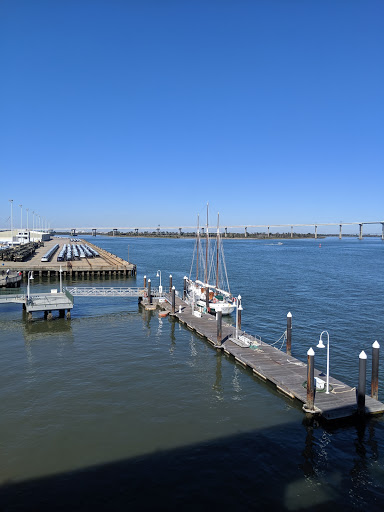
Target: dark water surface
{"x": 118, "y": 409}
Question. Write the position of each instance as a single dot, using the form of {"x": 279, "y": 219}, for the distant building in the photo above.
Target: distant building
{"x": 23, "y": 236}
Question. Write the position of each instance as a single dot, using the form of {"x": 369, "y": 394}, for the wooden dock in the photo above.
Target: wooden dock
{"x": 107, "y": 265}
{"x": 269, "y": 364}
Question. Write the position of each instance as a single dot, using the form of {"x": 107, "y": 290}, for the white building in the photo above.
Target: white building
{"x": 22, "y": 236}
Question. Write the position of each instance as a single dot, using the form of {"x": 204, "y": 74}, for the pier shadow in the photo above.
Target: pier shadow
{"x": 287, "y": 467}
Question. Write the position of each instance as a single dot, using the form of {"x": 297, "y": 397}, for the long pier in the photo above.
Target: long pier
{"x": 286, "y": 373}
{"x": 107, "y": 265}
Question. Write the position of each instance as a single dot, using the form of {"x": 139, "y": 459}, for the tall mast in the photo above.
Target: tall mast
{"x": 217, "y": 252}
{"x": 206, "y": 252}
{"x": 197, "y": 249}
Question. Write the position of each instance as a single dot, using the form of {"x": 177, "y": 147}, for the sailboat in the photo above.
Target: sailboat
{"x": 210, "y": 273}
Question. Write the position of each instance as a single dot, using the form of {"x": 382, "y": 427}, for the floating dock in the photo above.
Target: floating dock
{"x": 106, "y": 265}
{"x": 286, "y": 373}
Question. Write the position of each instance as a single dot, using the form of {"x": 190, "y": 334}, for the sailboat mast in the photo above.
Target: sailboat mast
{"x": 206, "y": 252}
{"x": 197, "y": 249}
{"x": 217, "y": 252}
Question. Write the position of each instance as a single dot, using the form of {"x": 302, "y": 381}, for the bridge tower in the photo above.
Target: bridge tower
{"x": 315, "y": 231}
{"x": 360, "y": 231}
{"x": 93, "y": 231}
{"x": 73, "y": 232}
{"x": 340, "y": 232}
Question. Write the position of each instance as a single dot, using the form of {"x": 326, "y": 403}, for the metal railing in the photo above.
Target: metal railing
{"x": 110, "y": 291}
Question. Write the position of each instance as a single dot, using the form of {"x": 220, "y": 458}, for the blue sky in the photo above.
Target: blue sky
{"x": 137, "y": 113}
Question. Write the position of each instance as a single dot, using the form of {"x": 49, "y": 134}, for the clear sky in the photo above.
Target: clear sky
{"x": 122, "y": 112}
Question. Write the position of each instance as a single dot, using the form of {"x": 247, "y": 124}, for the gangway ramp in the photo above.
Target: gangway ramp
{"x": 109, "y": 291}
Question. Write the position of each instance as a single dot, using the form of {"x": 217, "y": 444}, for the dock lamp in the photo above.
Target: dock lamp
{"x": 160, "y": 287}
{"x": 321, "y": 345}
{"x": 30, "y": 278}
{"x": 61, "y": 280}
{"x": 239, "y": 307}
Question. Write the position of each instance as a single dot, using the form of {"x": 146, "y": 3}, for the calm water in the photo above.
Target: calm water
{"x": 118, "y": 408}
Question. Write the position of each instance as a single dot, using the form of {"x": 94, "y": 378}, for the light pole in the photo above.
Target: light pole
{"x": 27, "y": 209}
{"x": 30, "y": 277}
{"x": 238, "y": 308}
{"x": 21, "y": 217}
{"x": 321, "y": 345}
{"x": 11, "y": 201}
{"x": 160, "y": 287}
{"x": 33, "y": 220}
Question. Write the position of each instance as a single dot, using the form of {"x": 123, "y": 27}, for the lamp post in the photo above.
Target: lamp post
{"x": 238, "y": 308}
{"x": 160, "y": 287}
{"x": 33, "y": 220}
{"x": 321, "y": 345}
{"x": 27, "y": 209}
{"x": 21, "y": 217}
{"x": 11, "y": 201}
{"x": 30, "y": 278}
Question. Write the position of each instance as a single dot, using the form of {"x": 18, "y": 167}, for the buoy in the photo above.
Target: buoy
{"x": 163, "y": 314}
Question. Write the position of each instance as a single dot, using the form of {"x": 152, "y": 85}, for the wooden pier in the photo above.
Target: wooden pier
{"x": 107, "y": 265}
{"x": 286, "y": 373}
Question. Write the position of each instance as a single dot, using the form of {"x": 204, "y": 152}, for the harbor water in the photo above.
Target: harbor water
{"x": 120, "y": 409}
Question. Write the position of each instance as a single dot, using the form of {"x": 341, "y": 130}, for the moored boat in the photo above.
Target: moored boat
{"x": 209, "y": 291}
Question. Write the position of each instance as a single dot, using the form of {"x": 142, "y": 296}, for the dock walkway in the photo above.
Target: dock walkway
{"x": 287, "y": 373}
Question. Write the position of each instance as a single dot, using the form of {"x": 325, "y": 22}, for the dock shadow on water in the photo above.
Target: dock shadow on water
{"x": 231, "y": 473}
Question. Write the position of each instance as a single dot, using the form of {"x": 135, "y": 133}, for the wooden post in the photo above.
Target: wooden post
{"x": 239, "y": 310}
{"x": 362, "y": 382}
{"x": 185, "y": 288}
{"x": 289, "y": 334}
{"x": 375, "y": 371}
{"x": 149, "y": 292}
{"x": 170, "y": 282}
{"x": 310, "y": 380}
{"x": 207, "y": 298}
{"x": 173, "y": 299}
{"x": 145, "y": 281}
{"x": 219, "y": 325}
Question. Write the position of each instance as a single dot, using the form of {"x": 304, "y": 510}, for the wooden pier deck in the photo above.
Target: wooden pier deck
{"x": 269, "y": 364}
{"x": 106, "y": 265}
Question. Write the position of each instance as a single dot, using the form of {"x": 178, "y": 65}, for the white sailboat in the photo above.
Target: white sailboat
{"x": 211, "y": 274}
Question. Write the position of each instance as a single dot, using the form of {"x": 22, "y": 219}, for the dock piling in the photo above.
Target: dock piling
{"x": 173, "y": 299}
{"x": 289, "y": 333}
{"x": 362, "y": 382}
{"x": 185, "y": 288}
{"x": 219, "y": 325}
{"x": 207, "y": 298}
{"x": 310, "y": 405}
{"x": 145, "y": 281}
{"x": 239, "y": 310}
{"x": 170, "y": 282}
{"x": 149, "y": 292}
{"x": 375, "y": 371}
